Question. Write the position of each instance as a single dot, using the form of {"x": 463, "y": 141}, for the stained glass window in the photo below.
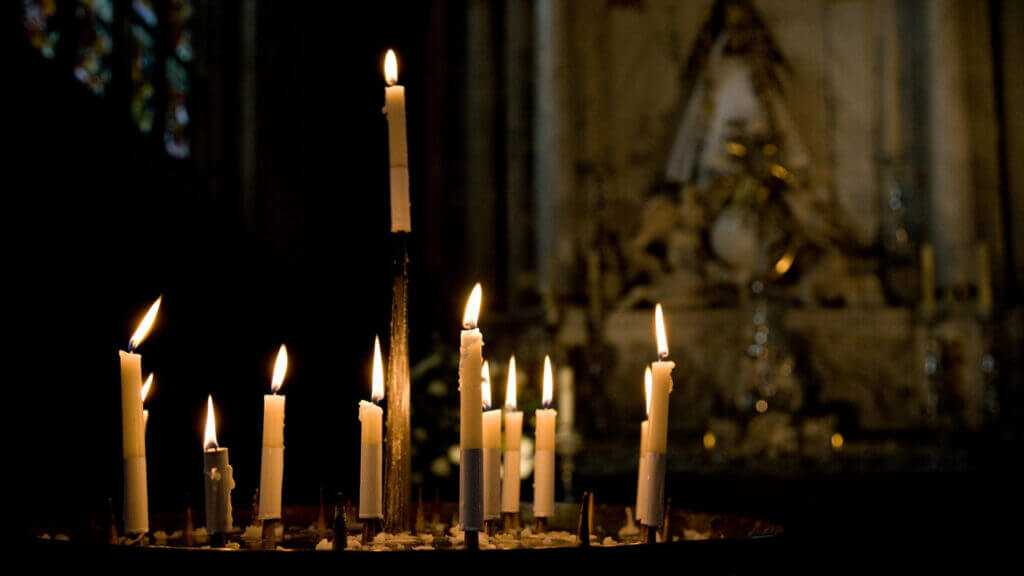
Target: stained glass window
{"x": 92, "y": 58}
{"x": 176, "y": 68}
{"x": 142, "y": 64}
{"x": 39, "y": 26}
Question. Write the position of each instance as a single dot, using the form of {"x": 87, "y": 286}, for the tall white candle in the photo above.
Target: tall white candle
{"x": 145, "y": 393}
{"x": 371, "y": 461}
{"x": 218, "y": 477}
{"x": 272, "y": 461}
{"x": 544, "y": 458}
{"x": 471, "y": 417}
{"x": 398, "y": 154}
{"x": 133, "y": 430}
{"x": 657, "y": 431}
{"x": 492, "y": 451}
{"x": 513, "y": 440}
{"x": 641, "y": 477}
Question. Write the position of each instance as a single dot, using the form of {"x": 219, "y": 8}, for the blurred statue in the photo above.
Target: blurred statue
{"x": 746, "y": 211}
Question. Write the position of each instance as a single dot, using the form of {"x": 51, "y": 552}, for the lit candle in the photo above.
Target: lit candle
{"x": 219, "y": 478}
{"x": 272, "y": 462}
{"x": 398, "y": 154}
{"x": 371, "y": 462}
{"x": 145, "y": 393}
{"x": 544, "y": 458}
{"x": 471, "y": 478}
{"x": 513, "y": 439}
{"x": 641, "y": 478}
{"x": 133, "y": 430}
{"x": 657, "y": 428}
{"x": 492, "y": 451}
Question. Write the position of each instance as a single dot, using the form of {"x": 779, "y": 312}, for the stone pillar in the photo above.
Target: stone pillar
{"x": 518, "y": 72}
{"x": 552, "y": 147}
{"x": 951, "y": 217}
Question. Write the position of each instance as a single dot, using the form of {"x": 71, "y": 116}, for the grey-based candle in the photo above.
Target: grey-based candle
{"x": 220, "y": 480}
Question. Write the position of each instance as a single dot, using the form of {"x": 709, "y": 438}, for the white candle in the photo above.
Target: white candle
{"x": 492, "y": 451}
{"x": 544, "y": 458}
{"x": 145, "y": 393}
{"x": 272, "y": 461}
{"x": 513, "y": 440}
{"x": 218, "y": 476}
{"x": 657, "y": 431}
{"x": 133, "y": 430}
{"x": 641, "y": 477}
{"x": 371, "y": 461}
{"x": 398, "y": 154}
{"x": 471, "y": 417}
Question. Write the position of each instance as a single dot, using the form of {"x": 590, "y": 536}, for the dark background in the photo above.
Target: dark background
{"x": 98, "y": 222}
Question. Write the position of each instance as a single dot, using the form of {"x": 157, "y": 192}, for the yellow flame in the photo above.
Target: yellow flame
{"x": 146, "y": 386}
{"x": 280, "y": 368}
{"x": 210, "y": 439}
{"x": 709, "y": 440}
{"x": 469, "y": 319}
{"x": 648, "y": 384}
{"x": 390, "y": 68}
{"x": 837, "y": 441}
{"x": 659, "y": 328}
{"x": 485, "y": 385}
{"x": 510, "y": 388}
{"x": 784, "y": 263}
{"x": 377, "y": 392}
{"x": 145, "y": 325}
{"x": 549, "y": 384}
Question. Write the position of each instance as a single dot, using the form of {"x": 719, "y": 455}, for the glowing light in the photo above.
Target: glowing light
{"x": 784, "y": 263}
{"x": 709, "y": 440}
{"x": 210, "y": 439}
{"x": 147, "y": 386}
{"x": 145, "y": 325}
{"x": 485, "y": 385}
{"x": 377, "y": 393}
{"x": 761, "y": 406}
{"x": 280, "y": 368}
{"x": 510, "y": 388}
{"x": 469, "y": 319}
{"x": 837, "y": 441}
{"x": 390, "y": 68}
{"x": 648, "y": 384}
{"x": 659, "y": 329}
{"x": 549, "y": 384}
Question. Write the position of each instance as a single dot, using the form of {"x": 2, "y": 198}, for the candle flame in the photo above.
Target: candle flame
{"x": 469, "y": 319}
{"x": 510, "y": 388}
{"x": 210, "y": 440}
{"x": 485, "y": 385}
{"x": 648, "y": 383}
{"x": 145, "y": 325}
{"x": 377, "y": 393}
{"x": 390, "y": 68}
{"x": 548, "y": 383}
{"x": 280, "y": 368}
{"x": 659, "y": 328}
{"x": 146, "y": 386}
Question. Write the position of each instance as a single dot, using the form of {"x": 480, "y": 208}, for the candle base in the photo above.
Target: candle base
{"x": 370, "y": 528}
{"x": 269, "y": 537}
{"x": 583, "y": 523}
{"x": 472, "y": 540}
{"x": 542, "y": 525}
{"x": 218, "y": 540}
{"x": 649, "y": 534}
{"x": 511, "y": 521}
{"x": 489, "y": 527}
